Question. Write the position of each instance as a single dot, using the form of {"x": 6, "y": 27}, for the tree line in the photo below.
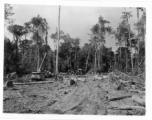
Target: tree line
{"x": 25, "y": 55}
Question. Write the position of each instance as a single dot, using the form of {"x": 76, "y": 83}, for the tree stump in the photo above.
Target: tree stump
{"x": 9, "y": 84}
{"x": 72, "y": 82}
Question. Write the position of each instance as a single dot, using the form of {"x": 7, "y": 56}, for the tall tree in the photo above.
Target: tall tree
{"x": 56, "y": 72}
{"x": 125, "y": 17}
{"x": 141, "y": 28}
{"x": 75, "y": 45}
{"x": 9, "y": 56}
{"x": 99, "y": 31}
{"x": 38, "y": 26}
{"x": 17, "y": 31}
{"x": 8, "y": 13}
{"x": 54, "y": 37}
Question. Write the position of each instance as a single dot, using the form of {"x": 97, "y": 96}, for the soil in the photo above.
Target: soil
{"x": 86, "y": 98}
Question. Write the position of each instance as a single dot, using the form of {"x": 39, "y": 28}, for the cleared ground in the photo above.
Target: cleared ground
{"x": 93, "y": 97}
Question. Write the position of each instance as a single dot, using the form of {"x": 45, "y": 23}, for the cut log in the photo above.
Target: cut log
{"x": 41, "y": 82}
{"x": 138, "y": 91}
{"x": 139, "y": 100}
{"x": 119, "y": 98}
{"x": 128, "y": 108}
{"x": 82, "y": 79}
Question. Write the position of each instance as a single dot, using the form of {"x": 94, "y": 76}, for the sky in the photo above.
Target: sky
{"x": 75, "y": 20}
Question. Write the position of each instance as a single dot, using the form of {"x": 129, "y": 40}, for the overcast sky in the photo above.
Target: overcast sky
{"x": 77, "y": 21}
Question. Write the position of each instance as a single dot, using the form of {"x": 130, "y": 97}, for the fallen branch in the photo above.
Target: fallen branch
{"x": 125, "y": 74}
{"x": 20, "y": 94}
{"x": 128, "y": 108}
{"x": 138, "y": 91}
{"x": 133, "y": 82}
{"x": 41, "y": 82}
{"x": 119, "y": 98}
{"x": 136, "y": 70}
{"x": 5, "y": 98}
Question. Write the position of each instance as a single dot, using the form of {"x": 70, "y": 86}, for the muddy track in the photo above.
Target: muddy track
{"x": 85, "y": 98}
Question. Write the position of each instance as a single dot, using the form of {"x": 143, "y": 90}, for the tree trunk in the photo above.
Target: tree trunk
{"x": 95, "y": 62}
{"x": 56, "y": 76}
{"x": 75, "y": 61}
{"x": 138, "y": 29}
{"x": 42, "y": 61}
{"x": 87, "y": 60}
{"x": 99, "y": 60}
{"x": 131, "y": 55}
{"x": 46, "y": 37}
{"x": 130, "y": 46}
{"x": 120, "y": 60}
{"x": 16, "y": 57}
{"x": 126, "y": 59}
{"x": 101, "y": 53}
{"x": 38, "y": 57}
{"x": 138, "y": 38}
{"x": 54, "y": 59}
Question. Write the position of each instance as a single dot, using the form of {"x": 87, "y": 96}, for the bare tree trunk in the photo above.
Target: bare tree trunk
{"x": 126, "y": 59}
{"x": 120, "y": 60}
{"x": 54, "y": 60}
{"x": 54, "y": 56}
{"x": 87, "y": 60}
{"x": 16, "y": 57}
{"x": 42, "y": 61}
{"x": 130, "y": 46}
{"x": 46, "y": 37}
{"x": 138, "y": 29}
{"x": 132, "y": 66}
{"x": 95, "y": 63}
{"x": 56, "y": 76}
{"x": 138, "y": 37}
{"x": 99, "y": 59}
{"x": 38, "y": 58}
{"x": 75, "y": 64}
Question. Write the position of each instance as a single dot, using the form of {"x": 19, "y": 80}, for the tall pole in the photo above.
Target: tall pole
{"x": 137, "y": 28}
{"x": 56, "y": 76}
{"x": 38, "y": 54}
{"x": 138, "y": 37}
{"x": 126, "y": 48}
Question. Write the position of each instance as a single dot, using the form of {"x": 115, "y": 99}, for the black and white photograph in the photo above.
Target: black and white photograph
{"x": 74, "y": 60}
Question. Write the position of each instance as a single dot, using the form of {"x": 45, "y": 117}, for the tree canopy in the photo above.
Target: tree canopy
{"x": 24, "y": 54}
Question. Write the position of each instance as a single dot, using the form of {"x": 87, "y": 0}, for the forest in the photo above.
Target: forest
{"x": 25, "y": 52}
{"x": 20, "y": 53}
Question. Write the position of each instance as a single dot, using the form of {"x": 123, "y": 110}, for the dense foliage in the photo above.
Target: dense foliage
{"x": 25, "y": 55}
